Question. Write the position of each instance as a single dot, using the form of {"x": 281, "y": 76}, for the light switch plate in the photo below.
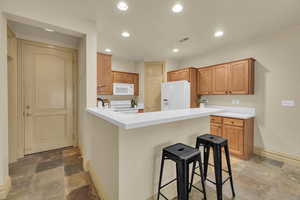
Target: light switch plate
{"x": 288, "y": 103}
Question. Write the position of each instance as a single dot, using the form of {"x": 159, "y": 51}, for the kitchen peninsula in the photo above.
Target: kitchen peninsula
{"x": 128, "y": 148}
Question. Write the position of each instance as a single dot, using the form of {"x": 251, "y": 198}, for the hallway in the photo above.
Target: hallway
{"x": 52, "y": 175}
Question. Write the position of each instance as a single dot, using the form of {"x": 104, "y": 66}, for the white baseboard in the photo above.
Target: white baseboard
{"x": 4, "y": 189}
{"x": 294, "y": 160}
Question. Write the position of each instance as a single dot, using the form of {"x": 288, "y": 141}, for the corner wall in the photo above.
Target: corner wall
{"x": 3, "y": 102}
{"x": 277, "y": 73}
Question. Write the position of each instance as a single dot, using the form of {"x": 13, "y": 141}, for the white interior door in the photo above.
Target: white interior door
{"x": 48, "y": 97}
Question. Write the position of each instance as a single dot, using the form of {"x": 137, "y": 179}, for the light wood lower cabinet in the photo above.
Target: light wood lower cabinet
{"x": 239, "y": 133}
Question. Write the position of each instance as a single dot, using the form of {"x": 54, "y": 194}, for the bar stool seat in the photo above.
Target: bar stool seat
{"x": 182, "y": 155}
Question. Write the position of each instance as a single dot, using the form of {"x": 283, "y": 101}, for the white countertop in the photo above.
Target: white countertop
{"x": 234, "y": 112}
{"x": 138, "y": 120}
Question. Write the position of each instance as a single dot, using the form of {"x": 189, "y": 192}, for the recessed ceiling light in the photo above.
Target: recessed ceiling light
{"x": 122, "y": 6}
{"x": 49, "y": 30}
{"x": 108, "y": 50}
{"x": 175, "y": 50}
{"x": 125, "y": 34}
{"x": 219, "y": 34}
{"x": 177, "y": 8}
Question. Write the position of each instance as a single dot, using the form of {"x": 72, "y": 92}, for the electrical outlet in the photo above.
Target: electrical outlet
{"x": 288, "y": 103}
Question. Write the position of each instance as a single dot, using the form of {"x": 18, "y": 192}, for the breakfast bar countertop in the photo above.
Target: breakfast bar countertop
{"x": 138, "y": 120}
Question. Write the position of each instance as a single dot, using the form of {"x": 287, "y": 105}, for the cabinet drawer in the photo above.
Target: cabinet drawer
{"x": 215, "y": 119}
{"x": 234, "y": 122}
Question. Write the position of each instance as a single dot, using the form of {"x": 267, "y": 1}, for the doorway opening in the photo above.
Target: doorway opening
{"x": 43, "y": 90}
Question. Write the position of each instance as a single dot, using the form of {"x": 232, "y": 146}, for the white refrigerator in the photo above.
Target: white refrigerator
{"x": 175, "y": 95}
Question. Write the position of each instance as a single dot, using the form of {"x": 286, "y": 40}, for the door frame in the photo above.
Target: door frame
{"x": 164, "y": 75}
{"x": 21, "y": 97}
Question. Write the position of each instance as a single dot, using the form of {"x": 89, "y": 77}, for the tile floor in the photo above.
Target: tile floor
{"x": 58, "y": 175}
{"x": 257, "y": 179}
{"x": 53, "y": 175}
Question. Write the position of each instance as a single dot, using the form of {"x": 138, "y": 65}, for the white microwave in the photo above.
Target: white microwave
{"x": 123, "y": 89}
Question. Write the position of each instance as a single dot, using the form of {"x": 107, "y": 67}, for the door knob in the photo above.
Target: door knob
{"x": 27, "y": 107}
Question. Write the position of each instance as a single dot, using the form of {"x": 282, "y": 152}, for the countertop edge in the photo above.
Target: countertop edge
{"x": 150, "y": 122}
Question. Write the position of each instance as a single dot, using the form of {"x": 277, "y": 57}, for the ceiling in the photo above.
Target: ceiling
{"x": 28, "y": 32}
{"x": 155, "y": 30}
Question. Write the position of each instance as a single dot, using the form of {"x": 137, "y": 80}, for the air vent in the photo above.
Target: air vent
{"x": 184, "y": 39}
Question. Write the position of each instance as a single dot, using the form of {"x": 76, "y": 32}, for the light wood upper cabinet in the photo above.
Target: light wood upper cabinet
{"x": 178, "y": 75}
{"x": 235, "y": 77}
{"x": 104, "y": 74}
{"x": 220, "y": 79}
{"x": 127, "y": 77}
{"x": 136, "y": 84}
{"x": 205, "y": 80}
{"x": 189, "y": 74}
{"x": 241, "y": 77}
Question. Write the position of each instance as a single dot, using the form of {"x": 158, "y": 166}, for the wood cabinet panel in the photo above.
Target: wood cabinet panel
{"x": 189, "y": 74}
{"x": 241, "y": 77}
{"x": 234, "y": 122}
{"x": 127, "y": 77}
{"x": 204, "y": 81}
{"x": 215, "y": 119}
{"x": 239, "y": 132}
{"x": 178, "y": 75}
{"x": 104, "y": 74}
{"x": 136, "y": 84}
{"x": 216, "y": 129}
{"x": 220, "y": 79}
{"x": 235, "y": 136}
{"x": 231, "y": 78}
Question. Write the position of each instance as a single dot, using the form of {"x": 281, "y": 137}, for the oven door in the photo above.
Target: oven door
{"x": 123, "y": 89}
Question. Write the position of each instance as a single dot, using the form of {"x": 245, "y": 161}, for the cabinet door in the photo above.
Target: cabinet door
{"x": 220, "y": 79}
{"x": 239, "y": 77}
{"x": 104, "y": 74}
{"x": 204, "y": 81}
{"x": 178, "y": 75}
{"x": 216, "y": 129}
{"x": 235, "y": 136}
{"x": 136, "y": 84}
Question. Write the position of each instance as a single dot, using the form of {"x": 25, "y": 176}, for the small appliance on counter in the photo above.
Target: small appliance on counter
{"x": 175, "y": 95}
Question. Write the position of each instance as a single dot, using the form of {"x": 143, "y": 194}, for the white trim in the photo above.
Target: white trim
{"x": 4, "y": 189}
{"x": 294, "y": 160}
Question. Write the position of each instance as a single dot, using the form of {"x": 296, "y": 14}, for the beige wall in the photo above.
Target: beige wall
{"x": 277, "y": 78}
{"x": 3, "y": 102}
{"x": 119, "y": 64}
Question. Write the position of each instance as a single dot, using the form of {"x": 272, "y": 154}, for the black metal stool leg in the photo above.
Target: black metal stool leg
{"x": 182, "y": 180}
{"x": 161, "y": 175}
{"x": 229, "y": 169}
{"x": 218, "y": 171}
{"x": 206, "y": 159}
{"x": 202, "y": 177}
{"x": 192, "y": 178}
